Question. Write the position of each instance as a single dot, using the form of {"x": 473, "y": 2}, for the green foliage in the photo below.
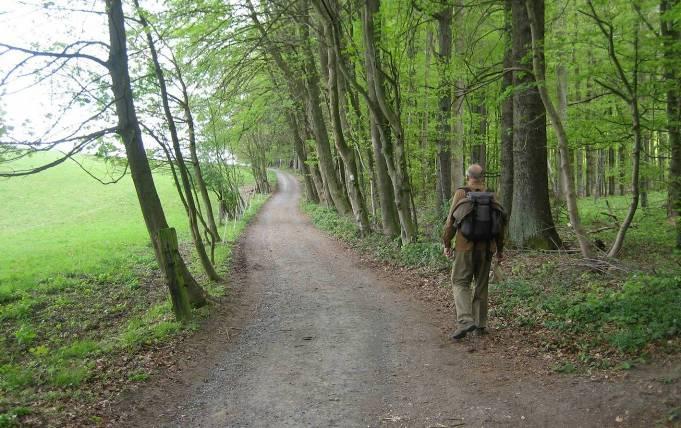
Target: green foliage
{"x": 14, "y": 376}
{"x": 138, "y": 377}
{"x": 423, "y": 254}
{"x": 11, "y": 418}
{"x": 69, "y": 376}
{"x": 643, "y": 310}
{"x": 79, "y": 349}
{"x": 329, "y": 221}
{"x": 25, "y": 334}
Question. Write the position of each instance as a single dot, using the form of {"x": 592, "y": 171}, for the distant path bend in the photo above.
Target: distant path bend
{"x": 331, "y": 343}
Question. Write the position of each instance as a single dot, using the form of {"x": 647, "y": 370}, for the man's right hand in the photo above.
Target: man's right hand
{"x": 448, "y": 253}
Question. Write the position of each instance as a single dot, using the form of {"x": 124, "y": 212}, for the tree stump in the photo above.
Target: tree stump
{"x": 178, "y": 290}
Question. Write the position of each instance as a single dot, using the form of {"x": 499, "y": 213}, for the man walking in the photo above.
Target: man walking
{"x": 478, "y": 221}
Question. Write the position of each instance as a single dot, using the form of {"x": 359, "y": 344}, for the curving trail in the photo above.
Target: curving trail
{"x": 327, "y": 342}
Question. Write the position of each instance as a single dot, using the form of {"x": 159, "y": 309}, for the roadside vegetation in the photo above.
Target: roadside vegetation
{"x": 80, "y": 290}
{"x": 613, "y": 318}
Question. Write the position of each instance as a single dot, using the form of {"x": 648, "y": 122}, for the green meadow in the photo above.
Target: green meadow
{"x": 78, "y": 278}
{"x": 61, "y": 221}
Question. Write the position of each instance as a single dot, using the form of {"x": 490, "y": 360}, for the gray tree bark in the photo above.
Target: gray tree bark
{"x": 444, "y": 117}
{"x": 531, "y": 224}
{"x": 506, "y": 185}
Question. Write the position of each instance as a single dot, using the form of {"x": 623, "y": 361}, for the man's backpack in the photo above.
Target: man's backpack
{"x": 485, "y": 219}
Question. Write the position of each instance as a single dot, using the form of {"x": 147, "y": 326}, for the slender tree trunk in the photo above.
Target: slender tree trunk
{"x": 314, "y": 103}
{"x": 557, "y": 123}
{"x": 299, "y": 147}
{"x": 457, "y": 169}
{"x": 621, "y": 159}
{"x": 200, "y": 182}
{"x": 394, "y": 154}
{"x": 129, "y": 130}
{"x": 386, "y": 195}
{"x": 630, "y": 95}
{"x": 181, "y": 165}
{"x": 562, "y": 95}
{"x": 671, "y": 31}
{"x": 424, "y": 138}
{"x": 479, "y": 143}
{"x": 443, "y": 142}
{"x": 531, "y": 224}
{"x": 579, "y": 160}
{"x": 506, "y": 187}
{"x": 347, "y": 153}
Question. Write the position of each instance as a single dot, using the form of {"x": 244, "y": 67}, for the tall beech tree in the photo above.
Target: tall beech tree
{"x": 531, "y": 223}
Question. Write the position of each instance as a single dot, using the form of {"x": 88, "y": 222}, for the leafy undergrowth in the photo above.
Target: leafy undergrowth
{"x": 72, "y": 334}
{"x": 582, "y": 319}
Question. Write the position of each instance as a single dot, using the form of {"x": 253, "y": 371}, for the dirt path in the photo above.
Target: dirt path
{"x": 324, "y": 341}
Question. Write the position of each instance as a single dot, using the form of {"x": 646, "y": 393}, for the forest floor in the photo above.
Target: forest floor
{"x": 314, "y": 334}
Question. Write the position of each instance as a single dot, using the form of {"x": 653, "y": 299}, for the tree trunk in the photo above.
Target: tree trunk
{"x": 556, "y": 121}
{"x": 395, "y": 153}
{"x": 384, "y": 184}
{"x": 129, "y": 130}
{"x": 424, "y": 138}
{"x": 620, "y": 166}
{"x": 579, "y": 160}
{"x": 181, "y": 165}
{"x": 672, "y": 42}
{"x": 200, "y": 182}
{"x": 457, "y": 169}
{"x": 562, "y": 95}
{"x": 178, "y": 289}
{"x": 443, "y": 141}
{"x": 314, "y": 103}
{"x": 506, "y": 186}
{"x": 630, "y": 95}
{"x": 299, "y": 147}
{"x": 347, "y": 153}
{"x": 479, "y": 143}
{"x": 531, "y": 224}
{"x": 611, "y": 171}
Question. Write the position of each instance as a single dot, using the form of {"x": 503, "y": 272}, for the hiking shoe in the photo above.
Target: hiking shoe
{"x": 481, "y": 331}
{"x": 462, "y": 331}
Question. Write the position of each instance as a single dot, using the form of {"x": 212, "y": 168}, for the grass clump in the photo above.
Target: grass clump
{"x": 329, "y": 221}
{"x": 12, "y": 417}
{"x": 69, "y": 376}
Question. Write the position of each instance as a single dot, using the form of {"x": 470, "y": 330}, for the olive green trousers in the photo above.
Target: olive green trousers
{"x": 470, "y": 280}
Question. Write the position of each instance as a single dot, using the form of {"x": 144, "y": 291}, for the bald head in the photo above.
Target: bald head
{"x": 474, "y": 172}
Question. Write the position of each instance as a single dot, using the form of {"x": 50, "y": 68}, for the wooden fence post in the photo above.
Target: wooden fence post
{"x": 178, "y": 291}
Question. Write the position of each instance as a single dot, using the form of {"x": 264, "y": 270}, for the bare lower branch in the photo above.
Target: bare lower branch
{"x": 83, "y": 141}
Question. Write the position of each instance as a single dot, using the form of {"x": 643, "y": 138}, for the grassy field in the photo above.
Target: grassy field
{"x": 79, "y": 285}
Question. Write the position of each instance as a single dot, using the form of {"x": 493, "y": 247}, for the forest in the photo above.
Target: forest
{"x": 572, "y": 108}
